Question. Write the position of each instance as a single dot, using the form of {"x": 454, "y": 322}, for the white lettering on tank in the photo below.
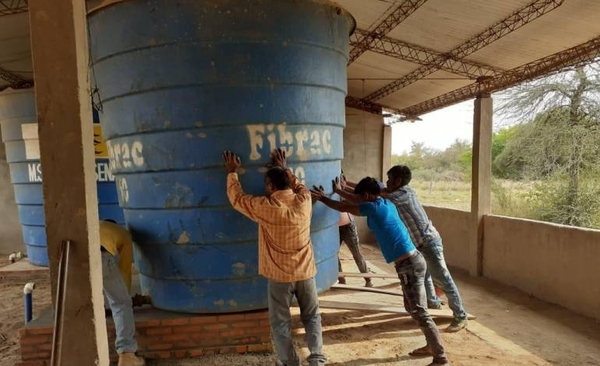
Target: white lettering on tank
{"x": 273, "y": 136}
{"x": 124, "y": 155}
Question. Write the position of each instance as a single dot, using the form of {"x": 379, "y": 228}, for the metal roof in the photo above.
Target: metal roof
{"x": 414, "y": 56}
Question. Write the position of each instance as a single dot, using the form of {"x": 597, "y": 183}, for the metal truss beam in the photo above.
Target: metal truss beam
{"x": 584, "y": 53}
{"x": 15, "y": 80}
{"x": 8, "y": 7}
{"x": 370, "y": 107}
{"x": 403, "y": 11}
{"x": 424, "y": 56}
{"x": 507, "y": 25}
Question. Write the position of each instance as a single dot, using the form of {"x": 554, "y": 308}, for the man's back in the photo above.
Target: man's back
{"x": 413, "y": 215}
{"x": 285, "y": 249}
{"x": 117, "y": 241}
{"x": 392, "y": 236}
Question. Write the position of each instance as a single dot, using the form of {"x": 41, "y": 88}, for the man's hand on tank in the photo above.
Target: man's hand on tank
{"x": 232, "y": 161}
{"x": 278, "y": 158}
{"x": 336, "y": 185}
{"x": 317, "y": 193}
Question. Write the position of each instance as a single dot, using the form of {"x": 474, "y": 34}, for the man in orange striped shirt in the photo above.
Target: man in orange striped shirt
{"x": 285, "y": 253}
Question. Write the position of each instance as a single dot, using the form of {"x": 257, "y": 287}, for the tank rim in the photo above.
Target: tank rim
{"x": 96, "y": 5}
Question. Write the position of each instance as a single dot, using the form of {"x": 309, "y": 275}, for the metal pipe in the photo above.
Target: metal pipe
{"x": 28, "y": 297}
{"x": 61, "y": 288}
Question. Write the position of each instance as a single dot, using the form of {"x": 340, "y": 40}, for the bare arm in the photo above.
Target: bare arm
{"x": 348, "y": 196}
{"x": 350, "y": 207}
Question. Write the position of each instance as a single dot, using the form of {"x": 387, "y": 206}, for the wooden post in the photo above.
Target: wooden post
{"x": 60, "y": 63}
{"x": 481, "y": 179}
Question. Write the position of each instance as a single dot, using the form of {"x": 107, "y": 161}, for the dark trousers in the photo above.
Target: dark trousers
{"x": 411, "y": 273}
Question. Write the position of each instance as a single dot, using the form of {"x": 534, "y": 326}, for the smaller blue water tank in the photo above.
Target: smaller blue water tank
{"x": 18, "y": 120}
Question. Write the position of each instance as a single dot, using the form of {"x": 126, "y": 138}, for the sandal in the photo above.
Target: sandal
{"x": 424, "y": 351}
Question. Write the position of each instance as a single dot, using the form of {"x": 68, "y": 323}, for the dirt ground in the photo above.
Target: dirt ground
{"x": 511, "y": 328}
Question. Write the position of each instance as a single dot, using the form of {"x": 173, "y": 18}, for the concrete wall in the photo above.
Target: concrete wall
{"x": 10, "y": 230}
{"x": 555, "y": 263}
{"x": 453, "y": 226}
{"x": 367, "y": 147}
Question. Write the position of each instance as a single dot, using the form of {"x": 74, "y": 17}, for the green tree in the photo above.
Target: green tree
{"x": 560, "y": 144}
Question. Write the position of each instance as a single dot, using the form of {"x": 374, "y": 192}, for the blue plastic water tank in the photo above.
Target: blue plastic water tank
{"x": 181, "y": 81}
{"x": 18, "y": 120}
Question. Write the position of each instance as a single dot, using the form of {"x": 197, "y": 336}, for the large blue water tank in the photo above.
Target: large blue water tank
{"x": 20, "y": 135}
{"x": 181, "y": 81}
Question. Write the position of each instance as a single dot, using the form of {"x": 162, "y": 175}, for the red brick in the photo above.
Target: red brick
{"x": 177, "y": 321}
{"x": 203, "y": 319}
{"x": 265, "y": 323}
{"x": 186, "y": 344}
{"x": 227, "y": 350}
{"x": 29, "y": 349}
{"x": 241, "y": 349}
{"x": 208, "y": 352}
{"x": 204, "y": 335}
{"x": 188, "y": 329}
{"x": 265, "y": 338}
{"x": 260, "y": 348}
{"x": 147, "y": 324}
{"x": 259, "y": 330}
{"x": 155, "y": 331}
{"x": 45, "y": 347}
{"x": 33, "y": 363}
{"x": 35, "y": 340}
{"x": 159, "y": 346}
{"x": 38, "y": 331}
{"x": 175, "y": 337}
{"x": 229, "y": 318}
{"x": 180, "y": 354}
{"x": 257, "y": 315}
{"x": 36, "y": 356}
{"x": 215, "y": 326}
{"x": 232, "y": 333}
{"x": 248, "y": 324}
{"x": 196, "y": 352}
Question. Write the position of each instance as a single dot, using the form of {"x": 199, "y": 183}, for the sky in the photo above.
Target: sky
{"x": 438, "y": 129}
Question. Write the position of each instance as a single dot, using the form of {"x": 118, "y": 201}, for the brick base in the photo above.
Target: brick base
{"x": 166, "y": 335}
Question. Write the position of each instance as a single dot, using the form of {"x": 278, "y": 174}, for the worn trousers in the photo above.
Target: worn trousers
{"x": 411, "y": 273}
{"x": 433, "y": 253}
{"x": 115, "y": 291}
{"x": 349, "y": 235}
{"x": 281, "y": 295}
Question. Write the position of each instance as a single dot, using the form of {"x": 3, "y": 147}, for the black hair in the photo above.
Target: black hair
{"x": 368, "y": 185}
{"x": 110, "y": 220}
{"x": 400, "y": 171}
{"x": 278, "y": 177}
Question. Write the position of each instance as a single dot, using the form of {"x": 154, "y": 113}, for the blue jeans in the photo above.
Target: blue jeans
{"x": 437, "y": 268}
{"x": 281, "y": 295}
{"x": 411, "y": 273}
{"x": 115, "y": 291}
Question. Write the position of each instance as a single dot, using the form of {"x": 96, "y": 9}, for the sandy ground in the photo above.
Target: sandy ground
{"x": 511, "y": 329}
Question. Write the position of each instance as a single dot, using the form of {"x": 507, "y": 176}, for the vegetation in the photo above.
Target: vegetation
{"x": 545, "y": 164}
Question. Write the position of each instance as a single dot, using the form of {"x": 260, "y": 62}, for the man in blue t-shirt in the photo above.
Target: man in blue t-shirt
{"x": 396, "y": 246}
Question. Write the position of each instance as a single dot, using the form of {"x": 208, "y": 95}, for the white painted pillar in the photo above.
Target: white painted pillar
{"x": 386, "y": 161}
{"x": 60, "y": 62}
{"x": 481, "y": 179}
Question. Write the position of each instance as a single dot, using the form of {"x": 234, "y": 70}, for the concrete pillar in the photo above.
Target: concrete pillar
{"x": 481, "y": 179}
{"x": 386, "y": 160}
{"x": 60, "y": 64}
